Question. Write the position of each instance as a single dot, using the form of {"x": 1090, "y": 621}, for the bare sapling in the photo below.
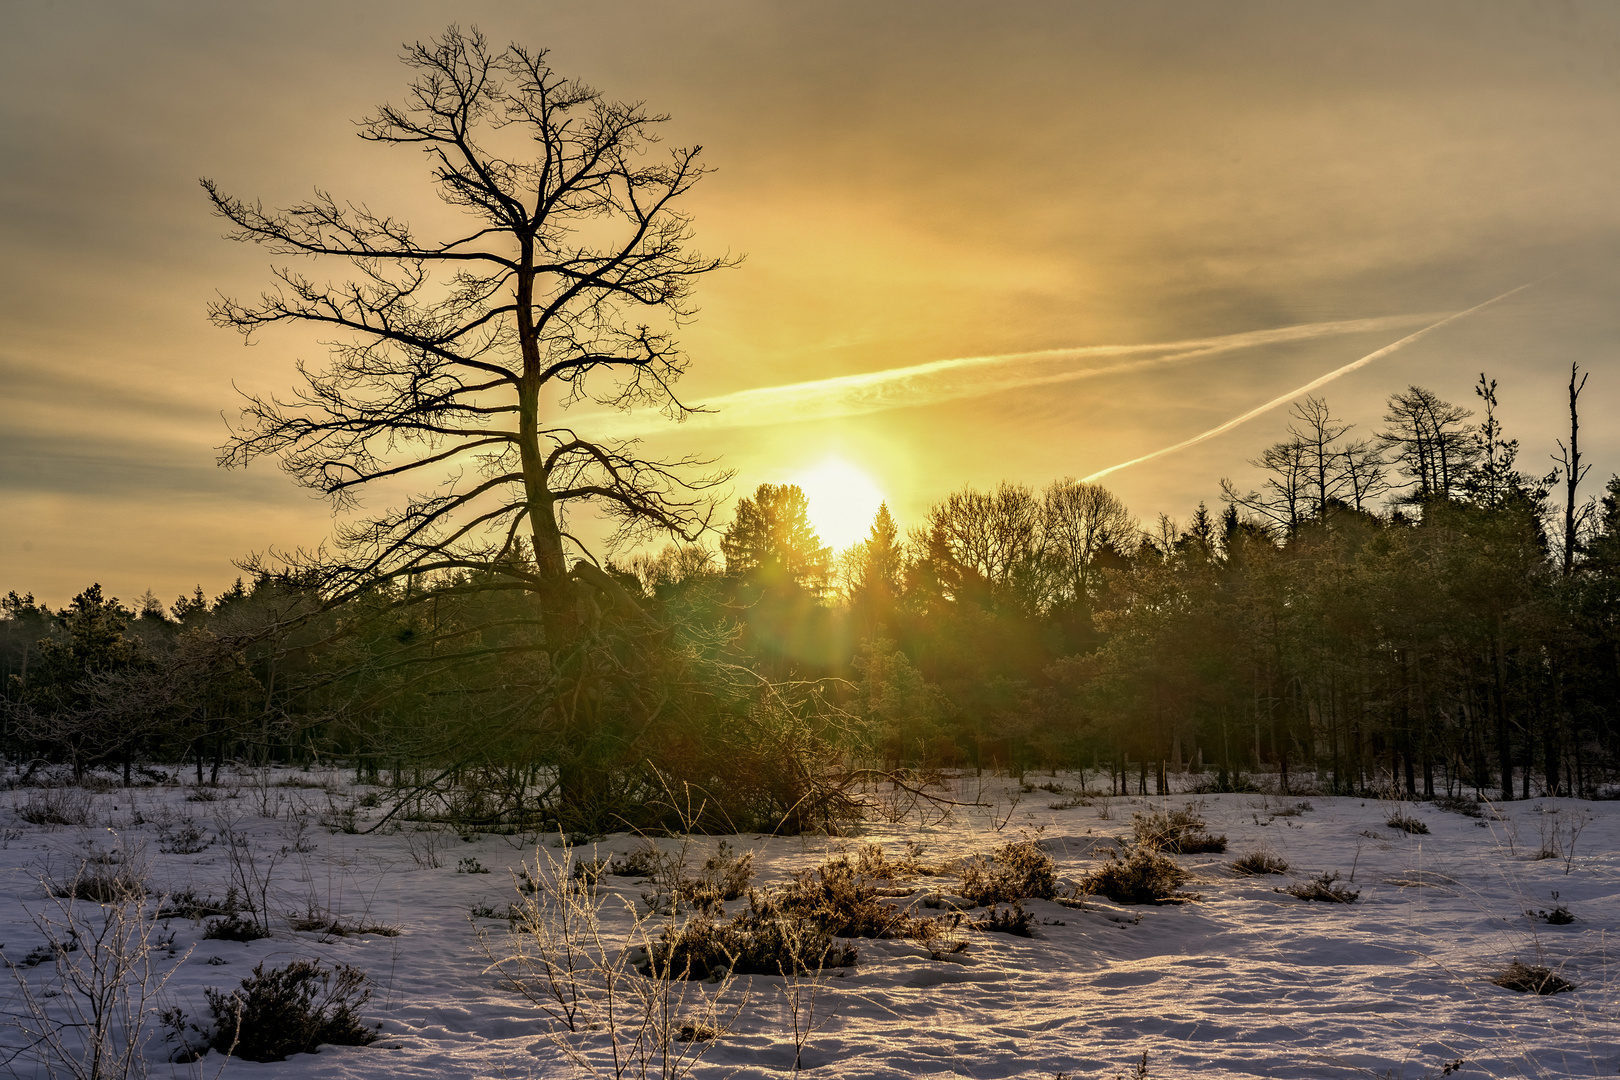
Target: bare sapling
{"x": 104, "y": 965}
{"x": 803, "y": 982}
{"x": 252, "y": 873}
{"x": 617, "y": 1006}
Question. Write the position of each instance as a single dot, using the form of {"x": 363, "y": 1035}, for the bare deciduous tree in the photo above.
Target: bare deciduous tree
{"x": 454, "y": 359}
{"x": 1429, "y": 441}
{"x": 1080, "y": 521}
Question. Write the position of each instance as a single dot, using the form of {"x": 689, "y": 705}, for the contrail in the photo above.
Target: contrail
{"x": 966, "y": 377}
{"x": 1307, "y": 388}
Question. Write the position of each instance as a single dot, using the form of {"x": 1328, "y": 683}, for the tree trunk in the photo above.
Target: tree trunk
{"x": 1504, "y": 745}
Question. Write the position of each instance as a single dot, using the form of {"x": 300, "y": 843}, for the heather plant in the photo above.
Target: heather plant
{"x": 1177, "y": 832}
{"x": 291, "y": 1010}
{"x": 1012, "y": 919}
{"x": 1015, "y": 871}
{"x": 1142, "y": 875}
{"x": 1457, "y": 804}
{"x": 1260, "y": 862}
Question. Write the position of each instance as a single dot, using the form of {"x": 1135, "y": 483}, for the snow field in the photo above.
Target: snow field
{"x": 1248, "y": 981}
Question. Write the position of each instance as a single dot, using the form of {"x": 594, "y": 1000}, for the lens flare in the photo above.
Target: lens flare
{"x": 843, "y": 500}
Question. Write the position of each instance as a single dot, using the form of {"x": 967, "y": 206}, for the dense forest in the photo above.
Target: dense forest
{"x": 1407, "y": 611}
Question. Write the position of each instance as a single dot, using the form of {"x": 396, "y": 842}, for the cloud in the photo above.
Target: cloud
{"x": 964, "y": 377}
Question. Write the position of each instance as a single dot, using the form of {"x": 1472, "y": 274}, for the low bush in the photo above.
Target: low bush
{"x": 188, "y": 838}
{"x": 1457, "y": 804}
{"x": 1179, "y": 832}
{"x": 186, "y": 904}
{"x": 58, "y": 806}
{"x": 1011, "y": 920}
{"x": 316, "y": 921}
{"x": 724, "y": 876}
{"x": 1527, "y": 979}
{"x": 102, "y": 884}
{"x": 1016, "y": 871}
{"x": 842, "y": 902}
{"x": 791, "y": 928}
{"x": 235, "y": 926}
{"x": 870, "y": 861}
{"x": 641, "y": 863}
{"x": 763, "y": 940}
{"x": 1143, "y": 875}
{"x": 291, "y": 1010}
{"x": 1406, "y": 823}
{"x": 470, "y": 865}
{"x": 1558, "y": 916}
{"x": 1323, "y": 888}
{"x": 1261, "y": 862}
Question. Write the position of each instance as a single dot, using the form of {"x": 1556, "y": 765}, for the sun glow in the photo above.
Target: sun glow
{"x": 843, "y": 500}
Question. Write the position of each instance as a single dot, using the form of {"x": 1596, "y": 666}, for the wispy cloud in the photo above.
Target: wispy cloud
{"x": 966, "y": 377}
{"x": 1283, "y": 399}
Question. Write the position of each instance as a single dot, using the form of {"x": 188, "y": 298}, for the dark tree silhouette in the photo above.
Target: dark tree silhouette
{"x": 1573, "y": 472}
{"x": 772, "y": 541}
{"x": 1430, "y": 443}
{"x": 455, "y": 359}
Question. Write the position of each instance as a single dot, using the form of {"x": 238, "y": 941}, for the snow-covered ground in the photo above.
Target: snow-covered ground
{"x": 1246, "y": 982}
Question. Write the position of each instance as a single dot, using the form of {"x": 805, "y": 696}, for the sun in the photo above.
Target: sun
{"x": 843, "y": 500}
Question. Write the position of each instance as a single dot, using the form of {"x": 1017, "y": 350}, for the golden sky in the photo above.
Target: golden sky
{"x": 983, "y": 241}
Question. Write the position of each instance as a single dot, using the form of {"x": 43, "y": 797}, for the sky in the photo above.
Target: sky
{"x": 1018, "y": 241}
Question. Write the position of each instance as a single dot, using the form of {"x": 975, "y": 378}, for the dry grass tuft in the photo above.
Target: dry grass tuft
{"x": 1260, "y": 862}
{"x": 1323, "y": 888}
{"x": 1527, "y": 979}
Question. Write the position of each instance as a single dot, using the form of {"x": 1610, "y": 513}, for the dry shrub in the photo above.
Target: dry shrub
{"x": 58, "y": 806}
{"x": 1011, "y": 920}
{"x": 763, "y": 940}
{"x": 1260, "y": 862}
{"x": 1179, "y": 832}
{"x": 793, "y": 928}
{"x": 1406, "y": 823}
{"x": 615, "y": 1005}
{"x": 317, "y": 921}
{"x": 1457, "y": 804}
{"x": 1323, "y": 888}
{"x": 103, "y": 884}
{"x": 187, "y": 904}
{"x": 291, "y": 1010}
{"x": 725, "y": 875}
{"x": 872, "y": 862}
{"x": 1016, "y": 871}
{"x": 1560, "y": 915}
{"x": 1527, "y": 979}
{"x": 187, "y": 838}
{"x": 1144, "y": 875}
{"x": 840, "y": 901}
{"x": 234, "y": 927}
{"x": 641, "y": 863}
{"x": 86, "y": 1016}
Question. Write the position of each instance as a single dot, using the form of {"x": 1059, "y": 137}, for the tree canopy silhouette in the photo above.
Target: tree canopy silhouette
{"x": 455, "y": 359}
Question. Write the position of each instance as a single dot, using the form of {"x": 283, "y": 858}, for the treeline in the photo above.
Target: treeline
{"x": 1408, "y": 609}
